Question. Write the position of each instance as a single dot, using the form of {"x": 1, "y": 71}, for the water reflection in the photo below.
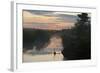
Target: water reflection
{"x": 27, "y": 57}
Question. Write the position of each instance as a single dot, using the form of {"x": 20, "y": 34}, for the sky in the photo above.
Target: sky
{"x": 51, "y": 20}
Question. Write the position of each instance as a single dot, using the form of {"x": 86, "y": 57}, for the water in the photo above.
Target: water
{"x": 46, "y": 54}
{"x": 42, "y": 57}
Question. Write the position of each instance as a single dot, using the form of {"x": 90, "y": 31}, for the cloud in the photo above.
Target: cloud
{"x": 40, "y": 12}
{"x": 47, "y": 19}
{"x": 31, "y": 18}
{"x": 67, "y": 18}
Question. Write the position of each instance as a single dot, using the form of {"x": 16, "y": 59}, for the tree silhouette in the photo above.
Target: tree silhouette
{"x": 35, "y": 38}
{"x": 41, "y": 39}
{"x": 76, "y": 41}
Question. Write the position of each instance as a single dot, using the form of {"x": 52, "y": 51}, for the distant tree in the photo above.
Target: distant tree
{"x": 76, "y": 41}
{"x": 41, "y": 39}
{"x": 28, "y": 35}
{"x": 35, "y": 38}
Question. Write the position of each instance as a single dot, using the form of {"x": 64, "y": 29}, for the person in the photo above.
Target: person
{"x": 54, "y": 53}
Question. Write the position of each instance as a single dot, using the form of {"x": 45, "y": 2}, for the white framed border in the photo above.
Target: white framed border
{"x": 16, "y": 48}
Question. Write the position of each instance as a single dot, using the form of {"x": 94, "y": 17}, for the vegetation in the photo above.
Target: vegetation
{"x": 77, "y": 41}
{"x": 35, "y": 38}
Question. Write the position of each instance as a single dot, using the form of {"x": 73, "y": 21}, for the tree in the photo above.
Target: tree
{"x": 35, "y": 38}
{"x": 83, "y": 30}
{"x": 41, "y": 39}
{"x": 76, "y": 41}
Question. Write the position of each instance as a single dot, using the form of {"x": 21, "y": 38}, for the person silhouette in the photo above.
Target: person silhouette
{"x": 54, "y": 53}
